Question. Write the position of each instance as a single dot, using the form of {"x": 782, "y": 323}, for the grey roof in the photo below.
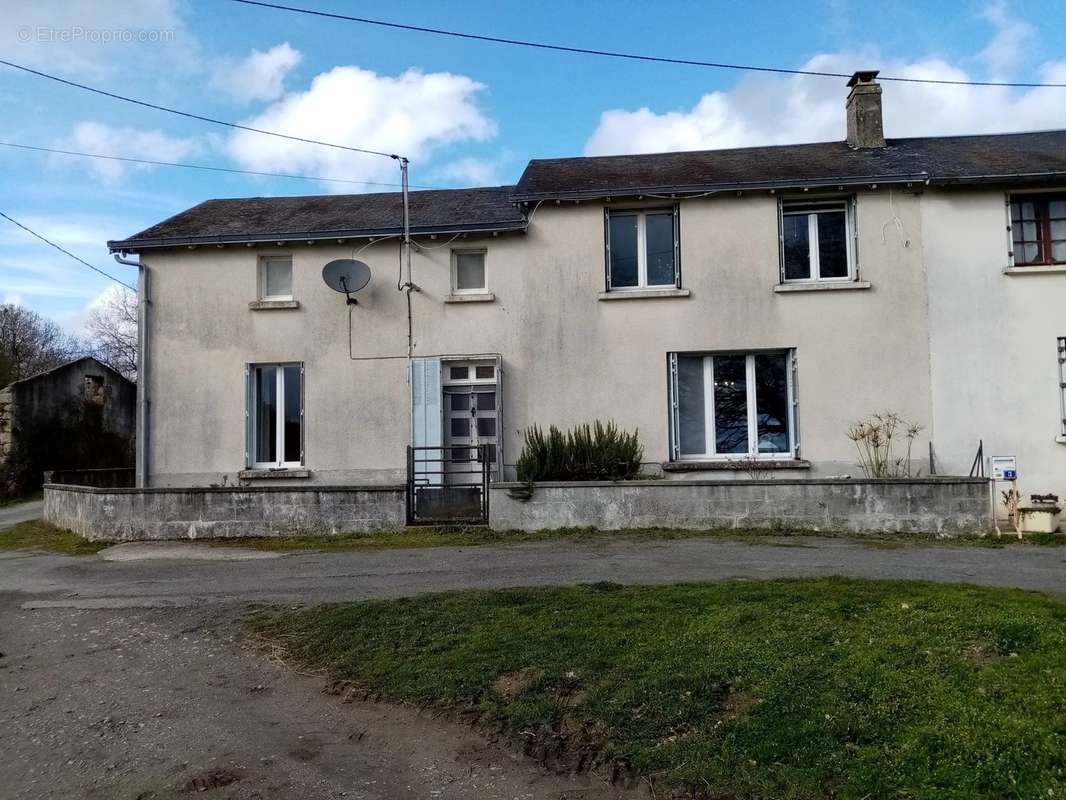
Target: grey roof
{"x": 1029, "y": 158}
{"x": 263, "y": 219}
{"x": 938, "y": 160}
{"x": 67, "y": 365}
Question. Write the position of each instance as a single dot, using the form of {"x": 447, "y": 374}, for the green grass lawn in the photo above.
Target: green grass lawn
{"x": 829, "y": 688}
{"x": 40, "y": 535}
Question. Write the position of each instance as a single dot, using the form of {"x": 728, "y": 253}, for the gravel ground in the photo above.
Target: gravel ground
{"x": 172, "y": 703}
{"x": 306, "y": 577}
{"x": 12, "y": 515}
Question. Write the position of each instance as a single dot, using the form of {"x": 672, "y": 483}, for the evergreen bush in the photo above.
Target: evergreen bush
{"x": 588, "y": 452}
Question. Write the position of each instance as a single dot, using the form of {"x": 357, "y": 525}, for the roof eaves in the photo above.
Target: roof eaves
{"x": 711, "y": 188}
{"x": 129, "y": 245}
{"x": 1012, "y": 177}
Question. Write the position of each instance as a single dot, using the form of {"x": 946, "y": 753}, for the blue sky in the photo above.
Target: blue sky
{"x": 465, "y": 112}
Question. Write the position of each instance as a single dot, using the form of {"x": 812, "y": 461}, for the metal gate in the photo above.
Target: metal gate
{"x": 448, "y": 485}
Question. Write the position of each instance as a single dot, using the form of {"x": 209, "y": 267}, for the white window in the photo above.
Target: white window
{"x": 732, "y": 405}
{"x": 275, "y": 415}
{"x": 468, "y": 272}
{"x": 817, "y": 240}
{"x": 1062, "y": 381}
{"x": 275, "y": 278}
{"x": 642, "y": 249}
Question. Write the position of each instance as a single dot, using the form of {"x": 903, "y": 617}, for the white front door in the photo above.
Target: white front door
{"x": 471, "y": 418}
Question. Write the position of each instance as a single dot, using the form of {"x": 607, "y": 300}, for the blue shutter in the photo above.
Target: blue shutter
{"x": 426, "y": 411}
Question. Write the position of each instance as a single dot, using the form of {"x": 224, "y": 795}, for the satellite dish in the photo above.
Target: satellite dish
{"x": 346, "y": 275}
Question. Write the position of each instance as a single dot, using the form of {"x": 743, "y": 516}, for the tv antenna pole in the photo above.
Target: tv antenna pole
{"x": 406, "y": 286}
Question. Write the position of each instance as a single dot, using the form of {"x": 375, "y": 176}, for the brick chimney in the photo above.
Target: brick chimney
{"x": 865, "y": 127}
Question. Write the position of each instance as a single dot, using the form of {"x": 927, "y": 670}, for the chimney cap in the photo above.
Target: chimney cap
{"x": 863, "y": 76}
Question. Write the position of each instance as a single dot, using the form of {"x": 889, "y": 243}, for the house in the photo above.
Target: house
{"x": 738, "y": 307}
{"x": 79, "y": 415}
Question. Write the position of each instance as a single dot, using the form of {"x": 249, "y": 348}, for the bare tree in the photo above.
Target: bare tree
{"x": 29, "y": 343}
{"x": 113, "y": 325}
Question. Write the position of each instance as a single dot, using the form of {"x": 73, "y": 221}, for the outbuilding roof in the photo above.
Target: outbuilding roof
{"x": 936, "y": 160}
{"x": 270, "y": 219}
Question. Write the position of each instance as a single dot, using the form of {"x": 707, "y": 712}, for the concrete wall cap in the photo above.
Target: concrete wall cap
{"x": 937, "y": 480}
{"x": 58, "y": 487}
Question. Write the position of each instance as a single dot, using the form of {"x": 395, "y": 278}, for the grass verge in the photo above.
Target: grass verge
{"x": 459, "y": 537}
{"x": 779, "y": 689}
{"x": 40, "y": 535}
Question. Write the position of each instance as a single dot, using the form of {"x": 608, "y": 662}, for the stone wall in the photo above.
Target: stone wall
{"x": 941, "y": 506}
{"x": 7, "y": 421}
{"x": 222, "y": 512}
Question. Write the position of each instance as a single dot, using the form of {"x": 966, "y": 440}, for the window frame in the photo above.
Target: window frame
{"x": 641, "y": 213}
{"x": 467, "y": 251}
{"x": 251, "y": 403}
{"x": 1041, "y": 201}
{"x": 752, "y": 407}
{"x": 261, "y": 292}
{"x": 1062, "y": 384}
{"x": 849, "y": 203}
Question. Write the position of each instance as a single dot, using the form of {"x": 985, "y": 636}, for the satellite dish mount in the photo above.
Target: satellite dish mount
{"x": 347, "y": 292}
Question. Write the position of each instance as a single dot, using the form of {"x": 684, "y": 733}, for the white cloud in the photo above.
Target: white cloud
{"x": 412, "y": 114}
{"x": 472, "y": 171}
{"x": 779, "y": 110}
{"x": 96, "y": 37}
{"x": 91, "y": 136}
{"x": 261, "y": 76}
{"x": 77, "y": 322}
{"x": 1008, "y": 46}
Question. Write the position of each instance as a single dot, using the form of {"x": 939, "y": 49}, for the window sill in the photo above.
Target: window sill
{"x": 1046, "y": 269}
{"x": 483, "y": 297}
{"x": 816, "y": 286}
{"x": 256, "y": 474}
{"x": 1060, "y": 439}
{"x": 729, "y": 465}
{"x": 270, "y": 305}
{"x": 642, "y": 294}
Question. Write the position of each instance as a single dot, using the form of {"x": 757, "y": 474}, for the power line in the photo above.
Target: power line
{"x": 200, "y": 166}
{"x": 200, "y": 117}
{"x": 66, "y": 252}
{"x": 631, "y": 56}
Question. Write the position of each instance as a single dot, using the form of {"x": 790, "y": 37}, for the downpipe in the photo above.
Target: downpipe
{"x": 141, "y": 452}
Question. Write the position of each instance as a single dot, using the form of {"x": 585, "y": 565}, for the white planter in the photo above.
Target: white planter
{"x": 1039, "y": 519}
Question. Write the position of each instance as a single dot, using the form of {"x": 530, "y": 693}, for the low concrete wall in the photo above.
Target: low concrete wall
{"x": 147, "y": 514}
{"x": 929, "y": 505}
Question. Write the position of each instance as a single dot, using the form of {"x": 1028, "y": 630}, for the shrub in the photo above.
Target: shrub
{"x": 875, "y": 438}
{"x": 586, "y": 453}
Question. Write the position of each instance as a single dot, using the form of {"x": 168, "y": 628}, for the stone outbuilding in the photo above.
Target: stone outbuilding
{"x": 80, "y": 415}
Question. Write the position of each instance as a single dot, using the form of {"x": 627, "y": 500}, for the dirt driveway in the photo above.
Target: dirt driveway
{"x": 174, "y": 703}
